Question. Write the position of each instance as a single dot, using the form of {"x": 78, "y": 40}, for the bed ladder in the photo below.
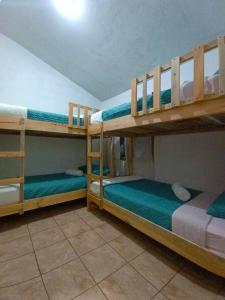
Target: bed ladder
{"x": 21, "y": 156}
{"x": 93, "y": 177}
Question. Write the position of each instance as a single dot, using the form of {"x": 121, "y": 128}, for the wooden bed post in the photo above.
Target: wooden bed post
{"x": 175, "y": 78}
{"x": 156, "y": 88}
{"x": 199, "y": 73}
{"x": 134, "y": 97}
{"x": 130, "y": 150}
{"x": 144, "y": 99}
{"x": 112, "y": 157}
{"x": 101, "y": 163}
{"x": 221, "y": 52}
{"x": 22, "y": 162}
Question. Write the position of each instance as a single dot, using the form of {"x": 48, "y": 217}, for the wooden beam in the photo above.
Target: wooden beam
{"x": 134, "y": 98}
{"x": 157, "y": 88}
{"x": 16, "y": 180}
{"x": 221, "y": 50}
{"x": 199, "y": 73}
{"x": 95, "y": 154}
{"x": 92, "y": 176}
{"x": 71, "y": 106}
{"x": 175, "y": 78}
{"x": 11, "y": 154}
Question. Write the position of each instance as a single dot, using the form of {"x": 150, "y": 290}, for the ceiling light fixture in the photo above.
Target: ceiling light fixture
{"x": 71, "y": 9}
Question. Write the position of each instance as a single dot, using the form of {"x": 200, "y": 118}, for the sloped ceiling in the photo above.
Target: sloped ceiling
{"x": 116, "y": 40}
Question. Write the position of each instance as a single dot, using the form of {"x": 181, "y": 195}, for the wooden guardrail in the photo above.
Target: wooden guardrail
{"x": 198, "y": 84}
{"x": 82, "y": 119}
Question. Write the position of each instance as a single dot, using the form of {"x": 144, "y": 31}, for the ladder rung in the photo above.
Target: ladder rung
{"x": 94, "y": 177}
{"x": 11, "y": 180}
{"x": 11, "y": 154}
{"x": 94, "y": 154}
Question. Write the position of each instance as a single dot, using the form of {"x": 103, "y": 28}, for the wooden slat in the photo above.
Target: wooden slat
{"x": 71, "y": 106}
{"x": 15, "y": 180}
{"x": 22, "y": 160}
{"x": 101, "y": 163}
{"x": 86, "y": 119}
{"x": 157, "y": 88}
{"x": 94, "y": 154}
{"x": 130, "y": 142}
{"x": 175, "y": 77}
{"x": 78, "y": 116}
{"x": 144, "y": 100}
{"x": 11, "y": 154}
{"x": 112, "y": 157}
{"x": 221, "y": 49}
{"x": 94, "y": 177}
{"x": 134, "y": 98}
{"x": 199, "y": 73}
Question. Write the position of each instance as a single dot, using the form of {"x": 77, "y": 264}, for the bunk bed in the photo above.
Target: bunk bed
{"x": 22, "y": 193}
{"x": 150, "y": 206}
{"x": 46, "y": 123}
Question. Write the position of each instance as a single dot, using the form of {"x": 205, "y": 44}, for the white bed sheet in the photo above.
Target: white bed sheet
{"x": 7, "y": 110}
{"x": 215, "y": 236}
{"x": 9, "y": 194}
{"x": 95, "y": 185}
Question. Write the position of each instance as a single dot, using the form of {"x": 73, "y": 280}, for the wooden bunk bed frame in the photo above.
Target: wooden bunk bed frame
{"x": 34, "y": 127}
{"x": 202, "y": 113}
{"x": 25, "y": 126}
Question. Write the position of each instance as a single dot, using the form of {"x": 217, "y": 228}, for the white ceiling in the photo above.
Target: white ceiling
{"x": 116, "y": 40}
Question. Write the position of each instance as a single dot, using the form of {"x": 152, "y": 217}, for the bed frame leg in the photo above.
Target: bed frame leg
{"x": 88, "y": 205}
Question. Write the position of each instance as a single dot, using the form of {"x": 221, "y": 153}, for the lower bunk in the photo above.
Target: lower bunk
{"x": 41, "y": 191}
{"x": 154, "y": 209}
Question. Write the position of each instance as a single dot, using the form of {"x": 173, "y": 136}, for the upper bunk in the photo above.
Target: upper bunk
{"x": 194, "y": 106}
{"x": 46, "y": 123}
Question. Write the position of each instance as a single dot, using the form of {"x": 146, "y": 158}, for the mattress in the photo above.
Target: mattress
{"x": 46, "y": 185}
{"x": 95, "y": 185}
{"x": 152, "y": 200}
{"x": 9, "y": 194}
{"x": 7, "y": 110}
{"x": 186, "y": 93}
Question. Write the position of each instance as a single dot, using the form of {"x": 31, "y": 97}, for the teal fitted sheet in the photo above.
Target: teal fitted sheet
{"x": 125, "y": 108}
{"x": 152, "y": 200}
{"x": 45, "y": 185}
{"x": 51, "y": 117}
{"x": 95, "y": 170}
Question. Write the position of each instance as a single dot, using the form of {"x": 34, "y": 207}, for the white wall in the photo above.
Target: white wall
{"x": 44, "y": 155}
{"x": 28, "y": 81}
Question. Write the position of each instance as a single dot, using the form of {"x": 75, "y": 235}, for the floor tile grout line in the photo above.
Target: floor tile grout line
{"x": 18, "y": 283}
{"x": 20, "y": 256}
{"x": 39, "y": 267}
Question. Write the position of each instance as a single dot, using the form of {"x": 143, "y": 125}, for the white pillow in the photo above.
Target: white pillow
{"x": 74, "y": 172}
{"x": 180, "y": 192}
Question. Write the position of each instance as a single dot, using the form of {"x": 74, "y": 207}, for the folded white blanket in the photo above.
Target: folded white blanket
{"x": 191, "y": 220}
{"x": 74, "y": 172}
{"x": 180, "y": 192}
{"x": 9, "y": 194}
{"x": 7, "y": 110}
{"x": 96, "y": 117}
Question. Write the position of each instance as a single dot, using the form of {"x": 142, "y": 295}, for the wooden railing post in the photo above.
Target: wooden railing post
{"x": 134, "y": 98}
{"x": 175, "y": 81}
{"x": 78, "y": 116}
{"x": 221, "y": 52}
{"x": 199, "y": 73}
{"x": 22, "y": 162}
{"x": 144, "y": 99}
{"x": 71, "y": 105}
{"x": 156, "y": 88}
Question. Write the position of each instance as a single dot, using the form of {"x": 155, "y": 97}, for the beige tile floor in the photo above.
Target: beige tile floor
{"x": 66, "y": 253}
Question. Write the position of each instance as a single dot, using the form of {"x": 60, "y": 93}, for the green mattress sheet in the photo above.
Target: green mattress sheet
{"x": 125, "y": 108}
{"x": 50, "y": 117}
{"x": 152, "y": 200}
{"x": 51, "y": 184}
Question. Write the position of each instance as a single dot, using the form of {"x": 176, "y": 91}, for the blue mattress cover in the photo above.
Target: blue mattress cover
{"x": 51, "y": 117}
{"x": 152, "y": 200}
{"x": 51, "y": 184}
{"x": 125, "y": 108}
